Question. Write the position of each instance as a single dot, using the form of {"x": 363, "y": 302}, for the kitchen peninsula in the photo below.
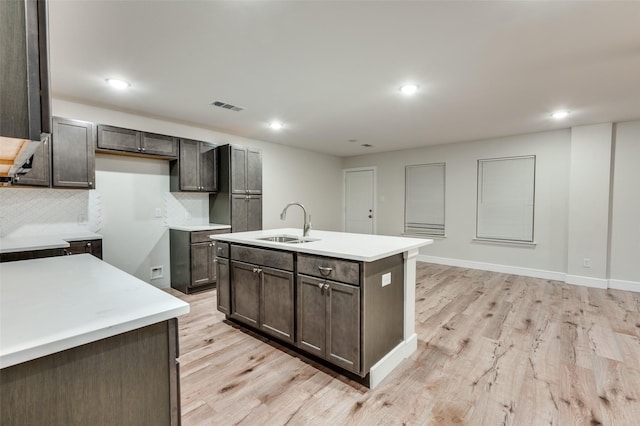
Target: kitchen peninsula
{"x": 346, "y": 299}
{"x": 82, "y": 342}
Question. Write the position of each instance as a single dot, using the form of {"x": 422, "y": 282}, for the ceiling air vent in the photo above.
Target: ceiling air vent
{"x": 225, "y": 105}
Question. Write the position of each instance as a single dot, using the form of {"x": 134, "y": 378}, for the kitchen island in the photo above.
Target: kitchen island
{"x": 82, "y": 342}
{"x": 346, "y": 299}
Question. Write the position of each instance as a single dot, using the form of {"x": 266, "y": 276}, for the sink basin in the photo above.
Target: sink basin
{"x": 288, "y": 239}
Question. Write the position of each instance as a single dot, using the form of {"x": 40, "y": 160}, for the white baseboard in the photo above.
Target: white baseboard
{"x": 587, "y": 281}
{"x": 493, "y": 267}
{"x": 625, "y": 285}
{"x": 536, "y": 273}
{"x": 382, "y": 368}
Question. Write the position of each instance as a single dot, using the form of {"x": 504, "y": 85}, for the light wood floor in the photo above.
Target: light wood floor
{"x": 493, "y": 349}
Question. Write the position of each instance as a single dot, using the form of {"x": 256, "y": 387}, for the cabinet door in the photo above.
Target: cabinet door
{"x": 343, "y": 326}
{"x": 119, "y": 139}
{"x": 254, "y": 213}
{"x": 311, "y": 315}
{"x": 208, "y": 167}
{"x": 276, "y": 303}
{"x": 238, "y": 170}
{"x": 93, "y": 247}
{"x": 213, "y": 272}
{"x": 189, "y": 173}
{"x": 254, "y": 171}
{"x": 200, "y": 264}
{"x": 245, "y": 292}
{"x": 73, "y": 148}
{"x": 40, "y": 173}
{"x": 239, "y": 213}
{"x": 224, "y": 294}
{"x": 165, "y": 146}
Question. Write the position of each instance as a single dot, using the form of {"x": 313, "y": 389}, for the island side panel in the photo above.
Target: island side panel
{"x": 382, "y": 308}
{"x": 124, "y": 379}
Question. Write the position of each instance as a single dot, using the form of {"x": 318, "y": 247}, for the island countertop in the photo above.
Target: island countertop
{"x": 359, "y": 247}
{"x": 57, "y": 303}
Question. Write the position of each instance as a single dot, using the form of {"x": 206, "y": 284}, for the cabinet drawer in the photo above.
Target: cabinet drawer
{"x": 201, "y": 237}
{"x": 272, "y": 258}
{"x": 334, "y": 269}
{"x": 222, "y": 249}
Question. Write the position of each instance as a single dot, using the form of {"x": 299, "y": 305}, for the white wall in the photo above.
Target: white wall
{"x": 581, "y": 211}
{"x": 131, "y": 189}
{"x": 625, "y": 220}
{"x": 589, "y": 187}
{"x": 552, "y": 150}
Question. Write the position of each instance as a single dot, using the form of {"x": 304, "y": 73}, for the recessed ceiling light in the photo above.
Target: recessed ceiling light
{"x": 559, "y": 115}
{"x": 409, "y": 89}
{"x": 276, "y": 125}
{"x": 118, "y": 84}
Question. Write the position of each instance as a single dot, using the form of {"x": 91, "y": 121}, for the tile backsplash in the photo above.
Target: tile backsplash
{"x": 34, "y": 211}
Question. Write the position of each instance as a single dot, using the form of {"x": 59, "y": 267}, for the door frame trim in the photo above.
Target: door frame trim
{"x": 374, "y": 169}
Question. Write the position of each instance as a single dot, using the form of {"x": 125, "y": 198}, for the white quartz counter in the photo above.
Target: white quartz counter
{"x": 200, "y": 227}
{"x": 42, "y": 242}
{"x": 361, "y": 247}
{"x": 52, "y": 304}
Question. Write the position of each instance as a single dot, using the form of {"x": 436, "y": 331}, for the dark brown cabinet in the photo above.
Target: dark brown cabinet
{"x": 192, "y": 257}
{"x": 246, "y": 212}
{"x": 40, "y": 172}
{"x": 93, "y": 247}
{"x": 223, "y": 284}
{"x": 245, "y": 170}
{"x": 239, "y": 198}
{"x": 73, "y": 152}
{"x": 262, "y": 290}
{"x": 24, "y": 81}
{"x": 117, "y": 140}
{"x": 328, "y": 320}
{"x": 196, "y": 168}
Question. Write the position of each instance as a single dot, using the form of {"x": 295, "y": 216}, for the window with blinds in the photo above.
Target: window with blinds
{"x": 506, "y": 189}
{"x": 424, "y": 199}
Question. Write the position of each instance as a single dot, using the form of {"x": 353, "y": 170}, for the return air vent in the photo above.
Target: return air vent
{"x": 225, "y": 105}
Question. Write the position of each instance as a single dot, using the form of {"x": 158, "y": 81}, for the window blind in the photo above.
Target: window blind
{"x": 505, "y": 206}
{"x": 424, "y": 199}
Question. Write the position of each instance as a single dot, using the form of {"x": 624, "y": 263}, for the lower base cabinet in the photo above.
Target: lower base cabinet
{"x": 329, "y": 321}
{"x": 128, "y": 379}
{"x": 192, "y": 256}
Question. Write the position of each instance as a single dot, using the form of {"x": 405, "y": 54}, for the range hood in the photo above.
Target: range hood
{"x": 25, "y": 103}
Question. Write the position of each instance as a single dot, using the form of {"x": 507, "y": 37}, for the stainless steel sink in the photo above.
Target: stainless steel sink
{"x": 288, "y": 239}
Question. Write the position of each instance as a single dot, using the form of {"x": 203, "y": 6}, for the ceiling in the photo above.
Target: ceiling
{"x": 331, "y": 70}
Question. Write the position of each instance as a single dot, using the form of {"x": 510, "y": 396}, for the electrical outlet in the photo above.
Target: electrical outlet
{"x": 386, "y": 279}
{"x": 586, "y": 262}
{"x": 158, "y": 212}
{"x": 156, "y": 272}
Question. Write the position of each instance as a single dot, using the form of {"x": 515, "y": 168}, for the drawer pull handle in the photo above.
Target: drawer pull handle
{"x": 324, "y": 271}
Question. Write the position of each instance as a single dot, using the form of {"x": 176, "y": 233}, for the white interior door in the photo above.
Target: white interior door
{"x": 359, "y": 194}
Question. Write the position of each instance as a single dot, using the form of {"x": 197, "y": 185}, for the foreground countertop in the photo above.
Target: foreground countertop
{"x": 42, "y": 242}
{"x": 57, "y": 303}
{"x": 361, "y": 247}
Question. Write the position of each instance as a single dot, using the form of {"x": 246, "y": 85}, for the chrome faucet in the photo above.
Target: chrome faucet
{"x": 307, "y": 218}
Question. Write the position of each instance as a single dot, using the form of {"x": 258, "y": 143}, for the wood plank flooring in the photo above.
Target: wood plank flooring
{"x": 493, "y": 349}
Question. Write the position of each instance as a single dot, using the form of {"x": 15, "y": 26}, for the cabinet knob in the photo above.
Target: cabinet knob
{"x": 144, "y": 149}
{"x": 88, "y": 244}
{"x": 326, "y": 286}
{"x": 90, "y": 184}
{"x": 17, "y": 178}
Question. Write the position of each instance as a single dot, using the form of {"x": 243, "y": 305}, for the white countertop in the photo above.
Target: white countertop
{"x": 42, "y": 242}
{"x": 361, "y": 247}
{"x": 56, "y": 303}
{"x": 200, "y": 227}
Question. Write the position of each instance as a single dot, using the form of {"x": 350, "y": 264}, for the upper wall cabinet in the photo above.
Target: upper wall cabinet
{"x": 73, "y": 148}
{"x": 246, "y": 170}
{"x": 39, "y": 174}
{"x": 196, "y": 168}
{"x": 24, "y": 79}
{"x": 117, "y": 140}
